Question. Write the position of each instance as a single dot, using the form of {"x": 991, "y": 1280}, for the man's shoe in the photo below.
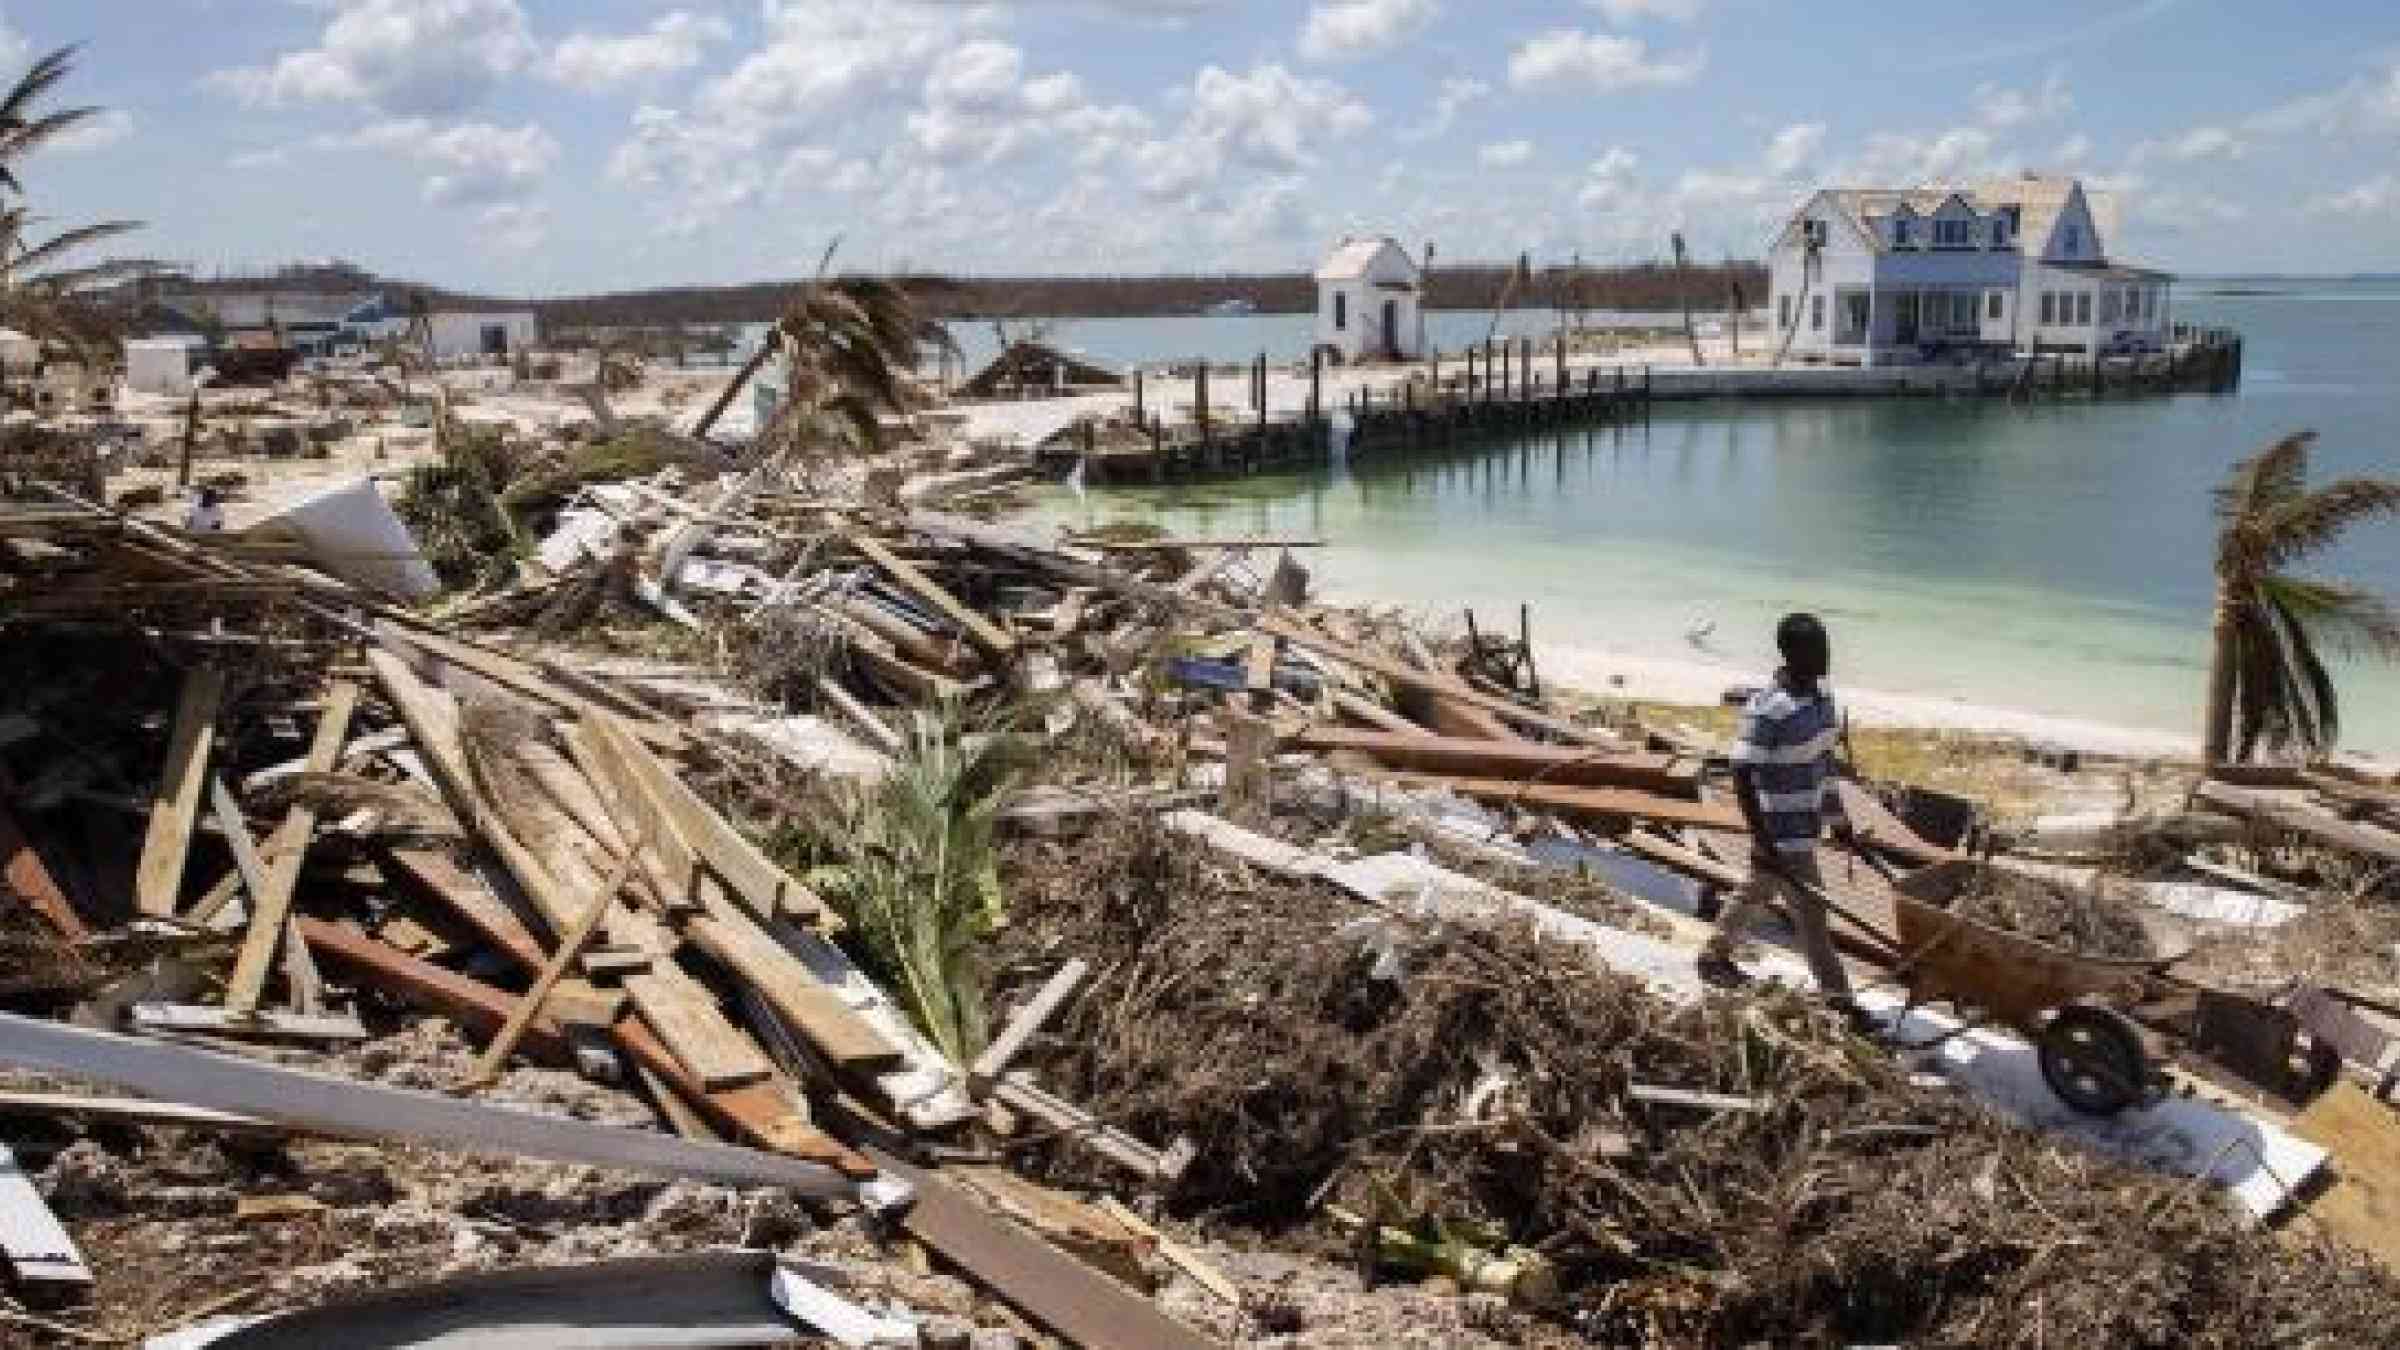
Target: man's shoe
{"x": 1718, "y": 971}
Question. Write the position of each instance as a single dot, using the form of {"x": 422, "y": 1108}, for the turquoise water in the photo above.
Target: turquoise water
{"x": 2052, "y": 558}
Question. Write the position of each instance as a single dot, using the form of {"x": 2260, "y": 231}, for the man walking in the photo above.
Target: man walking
{"x": 1783, "y": 778}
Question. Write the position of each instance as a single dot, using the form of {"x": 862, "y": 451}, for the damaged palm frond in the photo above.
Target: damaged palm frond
{"x": 455, "y": 510}
{"x": 919, "y": 880}
{"x": 850, "y": 347}
{"x": 39, "y": 294}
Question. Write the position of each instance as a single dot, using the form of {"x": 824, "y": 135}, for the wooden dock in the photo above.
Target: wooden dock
{"x": 1508, "y": 389}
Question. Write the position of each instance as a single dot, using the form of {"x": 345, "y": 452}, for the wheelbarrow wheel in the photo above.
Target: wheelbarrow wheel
{"x": 2092, "y": 1058}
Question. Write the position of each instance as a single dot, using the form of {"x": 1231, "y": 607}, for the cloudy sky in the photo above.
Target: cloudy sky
{"x": 553, "y": 146}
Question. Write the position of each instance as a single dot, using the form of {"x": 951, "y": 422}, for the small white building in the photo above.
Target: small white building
{"x": 1882, "y": 276}
{"x": 160, "y": 365}
{"x": 1370, "y": 297}
{"x": 462, "y": 335}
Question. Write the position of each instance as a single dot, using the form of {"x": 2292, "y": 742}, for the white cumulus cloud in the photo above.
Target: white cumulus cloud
{"x": 2003, "y": 106}
{"x": 675, "y": 41}
{"x": 513, "y": 227}
{"x": 2199, "y": 143}
{"x": 1794, "y": 146}
{"x": 1599, "y": 61}
{"x": 400, "y": 56}
{"x": 1506, "y": 154}
{"x": 473, "y": 163}
{"x": 1449, "y": 101}
{"x": 1340, "y": 30}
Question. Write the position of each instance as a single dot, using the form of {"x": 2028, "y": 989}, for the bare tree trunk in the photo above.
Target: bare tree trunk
{"x": 2216, "y": 739}
{"x": 1791, "y": 330}
{"x": 767, "y": 343}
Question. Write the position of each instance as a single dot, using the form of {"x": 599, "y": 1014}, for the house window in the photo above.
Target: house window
{"x": 2083, "y": 309}
{"x": 1813, "y": 231}
{"x": 1962, "y": 311}
{"x": 1783, "y": 312}
{"x": 1816, "y": 314}
{"x": 1952, "y": 233}
{"x": 2049, "y": 307}
{"x": 2108, "y": 305}
{"x": 1341, "y": 311}
{"x": 1999, "y": 234}
{"x": 1853, "y": 328}
{"x": 2070, "y": 241}
{"x": 1991, "y": 306}
{"x": 1900, "y": 233}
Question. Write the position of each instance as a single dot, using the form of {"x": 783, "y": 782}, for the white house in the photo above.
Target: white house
{"x": 161, "y": 365}
{"x": 1369, "y": 301}
{"x": 1878, "y": 276}
{"x": 459, "y": 334}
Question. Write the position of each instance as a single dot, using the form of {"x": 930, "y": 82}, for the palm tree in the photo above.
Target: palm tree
{"x": 37, "y": 295}
{"x": 2267, "y": 681}
{"x": 1683, "y": 296}
{"x": 850, "y": 344}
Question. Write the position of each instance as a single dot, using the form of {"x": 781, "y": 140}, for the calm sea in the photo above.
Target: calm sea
{"x": 2052, "y": 558}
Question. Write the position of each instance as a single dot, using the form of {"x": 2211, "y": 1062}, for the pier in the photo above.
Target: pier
{"x": 1168, "y": 426}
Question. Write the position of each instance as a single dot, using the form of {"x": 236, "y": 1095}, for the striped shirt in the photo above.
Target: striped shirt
{"x": 1787, "y": 739}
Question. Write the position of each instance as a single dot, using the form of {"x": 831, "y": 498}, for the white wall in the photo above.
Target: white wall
{"x": 458, "y": 335}
{"x": 158, "y": 367}
{"x": 1362, "y": 335}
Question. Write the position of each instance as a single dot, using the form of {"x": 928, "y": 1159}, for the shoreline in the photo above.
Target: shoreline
{"x": 1606, "y": 673}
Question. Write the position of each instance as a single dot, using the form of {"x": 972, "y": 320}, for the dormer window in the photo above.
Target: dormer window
{"x": 2070, "y": 241}
{"x": 2000, "y": 233}
{"x": 1812, "y": 232}
{"x": 1900, "y": 233}
{"x": 1952, "y": 233}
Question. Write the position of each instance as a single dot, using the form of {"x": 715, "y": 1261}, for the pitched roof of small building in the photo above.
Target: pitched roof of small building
{"x": 1354, "y": 256}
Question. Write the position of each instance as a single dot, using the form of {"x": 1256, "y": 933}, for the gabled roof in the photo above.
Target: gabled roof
{"x": 1353, "y": 257}
{"x": 2041, "y": 198}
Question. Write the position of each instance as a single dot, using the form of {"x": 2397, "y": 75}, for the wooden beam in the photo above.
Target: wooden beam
{"x": 271, "y": 898}
{"x": 1258, "y": 671}
{"x": 1004, "y": 1049}
{"x": 988, "y": 638}
{"x": 2300, "y": 818}
{"x": 1524, "y": 760}
{"x": 372, "y": 1110}
{"x": 256, "y": 1022}
{"x": 1361, "y": 709}
{"x": 1610, "y": 804}
{"x": 23, "y": 876}
{"x": 814, "y": 1010}
{"x": 711, "y": 1049}
{"x": 570, "y": 945}
{"x": 436, "y": 875}
{"x": 175, "y": 807}
{"x": 878, "y": 732}
{"x": 766, "y": 1114}
{"x": 300, "y": 973}
{"x": 522, "y": 677}
{"x": 1019, "y": 1092}
{"x": 1404, "y": 677}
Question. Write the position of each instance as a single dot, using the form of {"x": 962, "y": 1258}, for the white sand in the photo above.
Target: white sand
{"x": 1697, "y": 680}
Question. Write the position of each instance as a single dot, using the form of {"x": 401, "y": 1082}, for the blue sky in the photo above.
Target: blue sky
{"x": 545, "y": 147}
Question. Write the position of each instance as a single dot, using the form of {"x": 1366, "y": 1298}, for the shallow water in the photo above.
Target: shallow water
{"x": 2052, "y": 558}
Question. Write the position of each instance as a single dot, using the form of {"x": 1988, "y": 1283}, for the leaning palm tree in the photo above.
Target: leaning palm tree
{"x": 850, "y": 345}
{"x": 2267, "y": 681}
{"x": 1812, "y": 261}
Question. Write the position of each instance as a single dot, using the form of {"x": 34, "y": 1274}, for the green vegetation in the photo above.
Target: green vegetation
{"x": 2268, "y": 685}
{"x": 39, "y": 297}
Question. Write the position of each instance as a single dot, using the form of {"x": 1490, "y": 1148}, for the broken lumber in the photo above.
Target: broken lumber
{"x": 711, "y": 1049}
{"x": 1606, "y": 804}
{"x": 23, "y": 875}
{"x": 36, "y": 1246}
{"x": 987, "y": 637}
{"x": 2300, "y": 818}
{"x": 175, "y": 807}
{"x": 1404, "y": 677}
{"x": 570, "y": 945}
{"x": 250, "y": 1022}
{"x": 1004, "y": 1049}
{"x": 1508, "y": 759}
{"x": 374, "y": 1111}
{"x": 271, "y": 899}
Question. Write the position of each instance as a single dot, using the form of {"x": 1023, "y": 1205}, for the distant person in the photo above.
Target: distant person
{"x": 1783, "y": 778}
{"x": 207, "y": 513}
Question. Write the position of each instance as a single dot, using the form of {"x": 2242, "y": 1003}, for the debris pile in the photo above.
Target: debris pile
{"x": 848, "y": 877}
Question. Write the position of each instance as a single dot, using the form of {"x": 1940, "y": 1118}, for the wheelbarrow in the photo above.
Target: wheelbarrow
{"x": 2102, "y": 1028}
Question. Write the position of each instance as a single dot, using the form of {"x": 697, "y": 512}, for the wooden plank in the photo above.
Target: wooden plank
{"x": 1375, "y": 715}
{"x": 1606, "y": 804}
{"x": 271, "y": 899}
{"x": 1047, "y": 1285}
{"x": 613, "y": 775}
{"x": 256, "y": 1022}
{"x": 570, "y": 945}
{"x": 23, "y": 876}
{"x": 878, "y": 732}
{"x": 300, "y": 974}
{"x": 1179, "y": 1256}
{"x": 1701, "y": 1101}
{"x": 794, "y": 991}
{"x": 176, "y": 805}
{"x": 521, "y": 677}
{"x": 2362, "y": 1205}
{"x": 1404, "y": 677}
{"x": 672, "y": 1108}
{"x": 764, "y": 888}
{"x": 1018, "y": 1092}
{"x": 760, "y": 1113}
{"x": 2302, "y": 819}
{"x": 711, "y": 1049}
{"x": 1508, "y": 759}
{"x": 434, "y": 874}
{"x": 372, "y": 1110}
{"x": 1258, "y": 671}
{"x": 988, "y": 638}
{"x": 1004, "y": 1049}
{"x": 130, "y": 1111}
{"x": 35, "y": 1243}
